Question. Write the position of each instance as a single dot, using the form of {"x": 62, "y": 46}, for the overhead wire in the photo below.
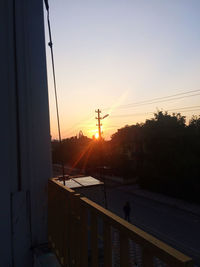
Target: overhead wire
{"x": 164, "y": 97}
{"x": 54, "y": 81}
{"x": 160, "y": 99}
{"x": 183, "y": 109}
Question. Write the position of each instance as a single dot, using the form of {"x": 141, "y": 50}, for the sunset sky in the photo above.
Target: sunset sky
{"x": 111, "y": 53}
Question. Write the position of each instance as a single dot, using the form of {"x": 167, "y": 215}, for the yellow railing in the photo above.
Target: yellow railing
{"x": 71, "y": 218}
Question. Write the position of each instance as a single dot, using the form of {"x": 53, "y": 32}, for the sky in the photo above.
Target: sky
{"x": 112, "y": 53}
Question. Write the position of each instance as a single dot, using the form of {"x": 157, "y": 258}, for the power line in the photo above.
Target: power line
{"x": 160, "y": 99}
{"x": 164, "y": 97}
{"x": 152, "y": 112}
{"x": 54, "y": 81}
{"x": 183, "y": 109}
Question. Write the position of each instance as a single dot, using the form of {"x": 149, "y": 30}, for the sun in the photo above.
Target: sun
{"x": 96, "y": 135}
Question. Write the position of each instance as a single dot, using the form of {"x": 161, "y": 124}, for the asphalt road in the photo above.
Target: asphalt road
{"x": 178, "y": 228}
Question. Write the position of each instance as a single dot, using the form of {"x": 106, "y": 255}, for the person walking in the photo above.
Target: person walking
{"x": 127, "y": 211}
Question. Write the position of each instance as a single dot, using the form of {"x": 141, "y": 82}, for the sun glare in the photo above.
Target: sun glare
{"x": 96, "y": 135}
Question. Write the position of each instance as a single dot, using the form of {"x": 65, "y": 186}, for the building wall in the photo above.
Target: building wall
{"x": 25, "y": 136}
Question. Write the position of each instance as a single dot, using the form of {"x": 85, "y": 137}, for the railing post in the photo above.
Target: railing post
{"x": 70, "y": 230}
{"x": 74, "y": 239}
{"x": 61, "y": 248}
{"x": 94, "y": 239}
{"x": 77, "y": 229}
{"x": 84, "y": 235}
{"x": 56, "y": 219}
{"x": 107, "y": 244}
{"x": 66, "y": 230}
{"x": 124, "y": 250}
{"x": 147, "y": 258}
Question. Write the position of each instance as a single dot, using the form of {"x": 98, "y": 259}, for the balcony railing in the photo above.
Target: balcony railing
{"x": 81, "y": 234}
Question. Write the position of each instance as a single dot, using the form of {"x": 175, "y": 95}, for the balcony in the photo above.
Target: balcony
{"x": 82, "y": 233}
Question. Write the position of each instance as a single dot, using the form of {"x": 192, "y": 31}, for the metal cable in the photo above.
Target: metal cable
{"x": 159, "y": 99}
{"x": 54, "y": 80}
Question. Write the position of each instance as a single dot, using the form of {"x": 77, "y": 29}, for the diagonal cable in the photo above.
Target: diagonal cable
{"x": 54, "y": 81}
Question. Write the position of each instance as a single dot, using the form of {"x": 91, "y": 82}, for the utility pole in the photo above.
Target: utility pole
{"x": 98, "y": 118}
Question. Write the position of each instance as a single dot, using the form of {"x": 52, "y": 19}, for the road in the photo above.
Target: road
{"x": 178, "y": 228}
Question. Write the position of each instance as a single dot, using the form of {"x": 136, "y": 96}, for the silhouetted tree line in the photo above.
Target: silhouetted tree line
{"x": 163, "y": 154}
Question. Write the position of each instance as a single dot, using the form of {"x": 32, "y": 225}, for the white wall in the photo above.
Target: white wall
{"x": 25, "y": 138}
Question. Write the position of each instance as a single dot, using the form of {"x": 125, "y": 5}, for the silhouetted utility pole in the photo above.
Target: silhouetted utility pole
{"x": 99, "y": 118}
